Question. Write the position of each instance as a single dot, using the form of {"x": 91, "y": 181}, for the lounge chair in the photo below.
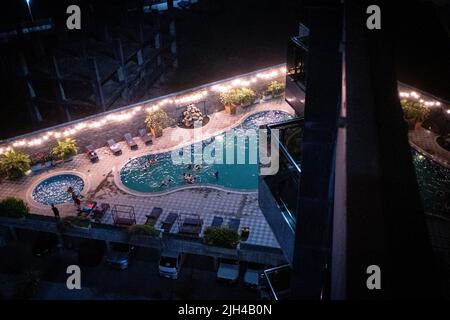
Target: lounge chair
{"x": 234, "y": 223}
{"x": 217, "y": 222}
{"x": 170, "y": 220}
{"x": 114, "y": 147}
{"x": 100, "y": 211}
{"x": 90, "y": 151}
{"x": 153, "y": 216}
{"x": 130, "y": 141}
{"x": 191, "y": 227}
{"x": 145, "y": 137}
{"x": 87, "y": 207}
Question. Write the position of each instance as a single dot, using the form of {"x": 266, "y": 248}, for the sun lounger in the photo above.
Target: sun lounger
{"x": 191, "y": 227}
{"x": 145, "y": 137}
{"x": 87, "y": 207}
{"x": 90, "y": 151}
{"x": 234, "y": 223}
{"x": 153, "y": 216}
{"x": 100, "y": 211}
{"x": 114, "y": 147}
{"x": 130, "y": 141}
{"x": 170, "y": 220}
{"x": 217, "y": 222}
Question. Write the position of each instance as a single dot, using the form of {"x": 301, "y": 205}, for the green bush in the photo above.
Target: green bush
{"x": 143, "y": 230}
{"x": 65, "y": 149}
{"x": 13, "y": 208}
{"x": 275, "y": 88}
{"x": 158, "y": 120}
{"x": 74, "y": 221}
{"x": 221, "y": 237}
{"x": 14, "y": 164}
{"x": 237, "y": 96}
{"x": 414, "y": 110}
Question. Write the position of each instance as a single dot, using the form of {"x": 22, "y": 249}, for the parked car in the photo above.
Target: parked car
{"x": 170, "y": 264}
{"x": 252, "y": 275}
{"x": 45, "y": 243}
{"x": 228, "y": 270}
{"x": 118, "y": 255}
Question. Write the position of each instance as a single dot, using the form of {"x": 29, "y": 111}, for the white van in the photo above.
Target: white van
{"x": 170, "y": 264}
{"x": 228, "y": 270}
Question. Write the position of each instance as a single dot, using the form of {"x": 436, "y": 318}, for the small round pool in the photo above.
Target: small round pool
{"x": 158, "y": 173}
{"x": 54, "y": 189}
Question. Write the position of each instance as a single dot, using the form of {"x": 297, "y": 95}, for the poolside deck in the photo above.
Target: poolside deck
{"x": 205, "y": 202}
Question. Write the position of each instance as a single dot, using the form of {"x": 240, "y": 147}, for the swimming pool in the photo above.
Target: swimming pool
{"x": 434, "y": 185}
{"x": 158, "y": 173}
{"x": 54, "y": 189}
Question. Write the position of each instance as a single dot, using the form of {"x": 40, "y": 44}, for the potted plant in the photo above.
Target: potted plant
{"x": 221, "y": 237}
{"x": 65, "y": 149}
{"x": 414, "y": 113}
{"x": 229, "y": 99}
{"x": 246, "y": 97}
{"x": 74, "y": 222}
{"x": 13, "y": 208}
{"x": 156, "y": 121}
{"x": 274, "y": 89}
{"x": 14, "y": 164}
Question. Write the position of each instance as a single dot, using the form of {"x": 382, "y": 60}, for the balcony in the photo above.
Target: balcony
{"x": 279, "y": 193}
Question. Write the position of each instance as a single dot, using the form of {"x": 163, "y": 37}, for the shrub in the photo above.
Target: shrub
{"x": 13, "y": 208}
{"x": 143, "y": 230}
{"x": 221, "y": 237}
{"x": 40, "y": 157}
{"x": 73, "y": 221}
{"x": 414, "y": 110}
{"x": 14, "y": 164}
{"x": 247, "y": 96}
{"x": 237, "y": 96}
{"x": 158, "y": 120}
{"x": 275, "y": 88}
{"x": 65, "y": 149}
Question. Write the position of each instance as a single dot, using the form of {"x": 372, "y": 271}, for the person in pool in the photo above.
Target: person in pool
{"x": 165, "y": 182}
{"x": 216, "y": 174}
{"x": 197, "y": 167}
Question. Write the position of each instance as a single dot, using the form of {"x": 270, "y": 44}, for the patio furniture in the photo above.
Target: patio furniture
{"x": 234, "y": 223}
{"x": 217, "y": 222}
{"x": 169, "y": 221}
{"x": 100, "y": 211}
{"x": 123, "y": 215}
{"x": 153, "y": 216}
{"x": 191, "y": 227}
{"x": 87, "y": 206}
{"x": 114, "y": 147}
{"x": 245, "y": 233}
{"x": 90, "y": 151}
{"x": 130, "y": 141}
{"x": 145, "y": 136}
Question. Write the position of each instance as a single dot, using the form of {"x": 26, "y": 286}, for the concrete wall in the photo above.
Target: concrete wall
{"x": 86, "y": 133}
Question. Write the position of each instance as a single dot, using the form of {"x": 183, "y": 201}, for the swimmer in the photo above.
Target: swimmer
{"x": 197, "y": 167}
{"x": 216, "y": 174}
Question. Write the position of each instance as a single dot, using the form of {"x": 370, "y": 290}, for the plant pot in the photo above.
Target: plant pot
{"x": 246, "y": 105}
{"x": 267, "y": 97}
{"x": 68, "y": 159}
{"x": 156, "y": 132}
{"x": 230, "y": 109}
{"x": 417, "y": 125}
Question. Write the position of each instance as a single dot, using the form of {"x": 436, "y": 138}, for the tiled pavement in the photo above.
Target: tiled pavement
{"x": 203, "y": 201}
{"x": 426, "y": 141}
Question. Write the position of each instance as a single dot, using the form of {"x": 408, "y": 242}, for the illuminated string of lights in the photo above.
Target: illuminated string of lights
{"x": 123, "y": 116}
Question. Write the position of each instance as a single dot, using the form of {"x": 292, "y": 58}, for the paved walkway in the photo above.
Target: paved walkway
{"x": 425, "y": 140}
{"x": 206, "y": 202}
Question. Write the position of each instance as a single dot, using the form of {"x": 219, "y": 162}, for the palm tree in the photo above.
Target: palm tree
{"x": 65, "y": 148}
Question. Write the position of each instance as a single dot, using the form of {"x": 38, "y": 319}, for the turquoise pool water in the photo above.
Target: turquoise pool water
{"x": 54, "y": 189}
{"x": 434, "y": 185}
{"x": 158, "y": 173}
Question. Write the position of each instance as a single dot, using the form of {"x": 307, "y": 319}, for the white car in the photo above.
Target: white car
{"x": 228, "y": 270}
{"x": 170, "y": 264}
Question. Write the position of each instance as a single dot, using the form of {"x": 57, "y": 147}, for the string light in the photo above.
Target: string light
{"x": 127, "y": 115}
{"x": 416, "y": 96}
